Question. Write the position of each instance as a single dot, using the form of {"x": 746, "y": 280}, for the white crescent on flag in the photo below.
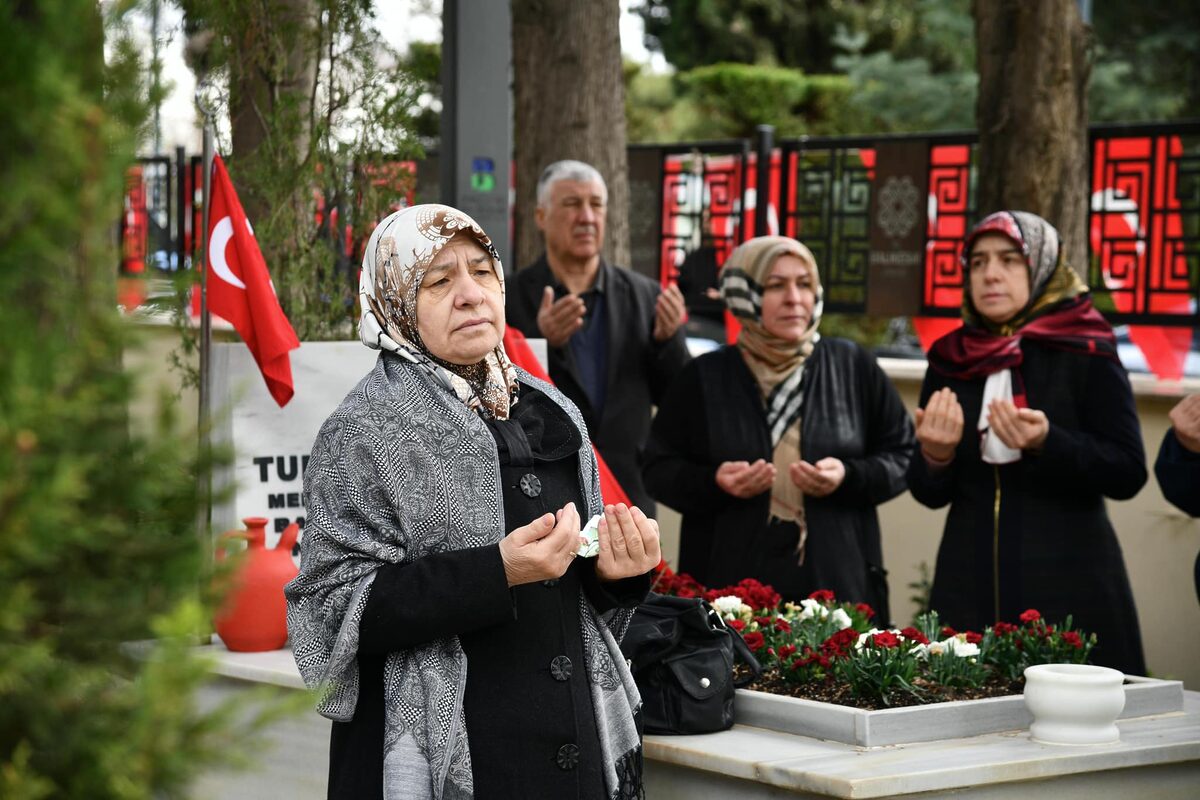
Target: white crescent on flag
{"x": 221, "y": 234}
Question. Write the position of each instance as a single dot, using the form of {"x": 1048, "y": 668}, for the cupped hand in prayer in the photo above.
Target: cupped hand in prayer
{"x": 745, "y": 480}
{"x": 559, "y": 319}
{"x": 629, "y": 543}
{"x": 669, "y": 311}
{"x": 819, "y": 479}
{"x": 940, "y": 425}
{"x": 1185, "y": 419}
{"x": 543, "y": 549}
{"x": 1019, "y": 428}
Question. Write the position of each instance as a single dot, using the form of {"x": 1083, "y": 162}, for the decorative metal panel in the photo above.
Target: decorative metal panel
{"x": 1144, "y": 231}
{"x": 702, "y": 202}
{"x": 826, "y": 206}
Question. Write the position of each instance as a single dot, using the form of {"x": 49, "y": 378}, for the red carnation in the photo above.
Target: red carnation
{"x": 914, "y": 635}
{"x": 865, "y": 610}
{"x": 782, "y": 625}
{"x": 886, "y": 639}
{"x": 1072, "y": 638}
{"x": 1004, "y": 628}
{"x": 754, "y": 640}
{"x": 822, "y": 596}
{"x": 973, "y": 637}
{"x": 1030, "y": 615}
{"x": 763, "y": 622}
{"x": 947, "y": 632}
{"x": 838, "y": 642}
{"x": 786, "y": 650}
{"x": 737, "y": 624}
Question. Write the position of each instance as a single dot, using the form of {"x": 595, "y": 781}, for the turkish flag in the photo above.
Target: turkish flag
{"x": 240, "y": 290}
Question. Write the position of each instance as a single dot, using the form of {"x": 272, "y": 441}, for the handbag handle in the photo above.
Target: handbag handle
{"x": 740, "y": 648}
{"x": 747, "y": 656}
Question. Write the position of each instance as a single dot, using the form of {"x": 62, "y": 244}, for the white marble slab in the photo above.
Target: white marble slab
{"x": 841, "y": 770}
{"x": 758, "y": 762}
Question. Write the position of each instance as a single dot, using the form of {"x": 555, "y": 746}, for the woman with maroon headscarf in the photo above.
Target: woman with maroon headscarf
{"x": 1033, "y": 376}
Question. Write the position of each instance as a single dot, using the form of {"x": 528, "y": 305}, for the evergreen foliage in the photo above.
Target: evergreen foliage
{"x": 337, "y": 110}
{"x": 98, "y": 544}
{"x": 1147, "y": 61}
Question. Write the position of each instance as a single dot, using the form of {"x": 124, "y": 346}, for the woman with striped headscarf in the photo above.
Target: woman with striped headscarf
{"x": 778, "y": 449}
{"x": 1034, "y": 374}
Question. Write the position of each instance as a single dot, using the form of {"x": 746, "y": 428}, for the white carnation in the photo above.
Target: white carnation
{"x": 731, "y": 607}
{"x": 961, "y": 647}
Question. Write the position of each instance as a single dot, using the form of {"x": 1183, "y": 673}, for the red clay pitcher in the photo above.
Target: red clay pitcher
{"x": 253, "y": 616}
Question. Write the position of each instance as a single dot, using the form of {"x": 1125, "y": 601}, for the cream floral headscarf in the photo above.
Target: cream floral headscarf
{"x": 398, "y": 253}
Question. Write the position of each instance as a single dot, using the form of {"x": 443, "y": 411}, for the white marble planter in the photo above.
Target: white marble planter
{"x": 1143, "y": 697}
{"x": 1075, "y": 704}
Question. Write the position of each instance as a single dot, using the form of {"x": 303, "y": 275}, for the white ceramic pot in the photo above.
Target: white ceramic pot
{"x": 1074, "y": 703}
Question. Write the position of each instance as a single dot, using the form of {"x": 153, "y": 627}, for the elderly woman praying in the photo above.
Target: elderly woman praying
{"x": 459, "y": 645}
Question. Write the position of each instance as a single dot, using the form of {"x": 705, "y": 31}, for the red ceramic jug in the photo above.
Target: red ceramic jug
{"x": 253, "y": 616}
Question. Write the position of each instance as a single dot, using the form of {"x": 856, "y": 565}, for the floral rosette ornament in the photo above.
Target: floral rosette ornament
{"x": 820, "y": 642}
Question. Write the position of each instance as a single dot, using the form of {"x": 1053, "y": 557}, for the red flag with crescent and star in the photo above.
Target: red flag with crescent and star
{"x": 240, "y": 290}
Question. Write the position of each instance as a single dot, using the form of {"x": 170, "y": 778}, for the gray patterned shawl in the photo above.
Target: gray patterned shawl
{"x": 402, "y": 469}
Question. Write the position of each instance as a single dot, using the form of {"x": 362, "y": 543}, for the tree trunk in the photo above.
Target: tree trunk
{"x": 1034, "y": 63}
{"x": 569, "y": 102}
{"x": 272, "y": 72}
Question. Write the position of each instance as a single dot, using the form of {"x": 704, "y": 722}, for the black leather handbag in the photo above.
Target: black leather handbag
{"x": 681, "y": 654}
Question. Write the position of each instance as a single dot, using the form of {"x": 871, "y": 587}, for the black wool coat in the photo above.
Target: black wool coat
{"x": 1178, "y": 473}
{"x": 715, "y": 413}
{"x": 640, "y": 370}
{"x": 1035, "y": 533}
{"x": 529, "y": 714}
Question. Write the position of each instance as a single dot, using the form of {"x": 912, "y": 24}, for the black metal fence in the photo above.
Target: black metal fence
{"x": 1144, "y": 217}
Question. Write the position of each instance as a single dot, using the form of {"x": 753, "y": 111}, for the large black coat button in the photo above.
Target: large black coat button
{"x": 531, "y": 485}
{"x": 561, "y": 668}
{"x": 568, "y": 756}
{"x": 550, "y": 583}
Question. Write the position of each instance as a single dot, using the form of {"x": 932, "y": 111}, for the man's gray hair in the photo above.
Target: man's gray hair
{"x": 568, "y": 170}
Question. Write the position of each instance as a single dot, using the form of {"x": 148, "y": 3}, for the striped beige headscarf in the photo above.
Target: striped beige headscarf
{"x": 777, "y": 364}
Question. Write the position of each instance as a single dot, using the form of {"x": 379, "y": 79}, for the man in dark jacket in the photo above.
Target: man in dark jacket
{"x": 1178, "y": 463}
{"x": 614, "y": 340}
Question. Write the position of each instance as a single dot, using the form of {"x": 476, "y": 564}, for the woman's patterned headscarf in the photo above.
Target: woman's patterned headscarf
{"x": 1051, "y": 279}
{"x": 1059, "y": 313}
{"x": 400, "y": 250}
{"x": 777, "y": 364}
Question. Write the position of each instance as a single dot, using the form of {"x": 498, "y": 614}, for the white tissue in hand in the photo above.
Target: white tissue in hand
{"x": 590, "y": 532}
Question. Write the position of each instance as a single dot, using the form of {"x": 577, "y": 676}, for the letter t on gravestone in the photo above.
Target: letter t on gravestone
{"x": 899, "y": 220}
{"x": 476, "y": 130}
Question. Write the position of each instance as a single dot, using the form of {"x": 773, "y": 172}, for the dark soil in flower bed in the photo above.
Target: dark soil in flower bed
{"x": 831, "y": 691}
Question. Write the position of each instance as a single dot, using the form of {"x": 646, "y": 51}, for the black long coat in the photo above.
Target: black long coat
{"x": 528, "y": 708}
{"x": 640, "y": 370}
{"x": 1178, "y": 472}
{"x": 715, "y": 413}
{"x": 1035, "y": 533}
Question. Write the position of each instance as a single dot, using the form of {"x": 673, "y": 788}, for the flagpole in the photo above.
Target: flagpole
{"x": 204, "y": 421}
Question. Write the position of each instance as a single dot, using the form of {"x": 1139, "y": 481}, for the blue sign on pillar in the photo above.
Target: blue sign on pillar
{"x": 483, "y": 174}
{"x": 476, "y": 141}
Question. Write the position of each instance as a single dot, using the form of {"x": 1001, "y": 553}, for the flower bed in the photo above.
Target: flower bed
{"x": 923, "y": 723}
{"x": 827, "y": 673}
{"x": 829, "y": 651}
